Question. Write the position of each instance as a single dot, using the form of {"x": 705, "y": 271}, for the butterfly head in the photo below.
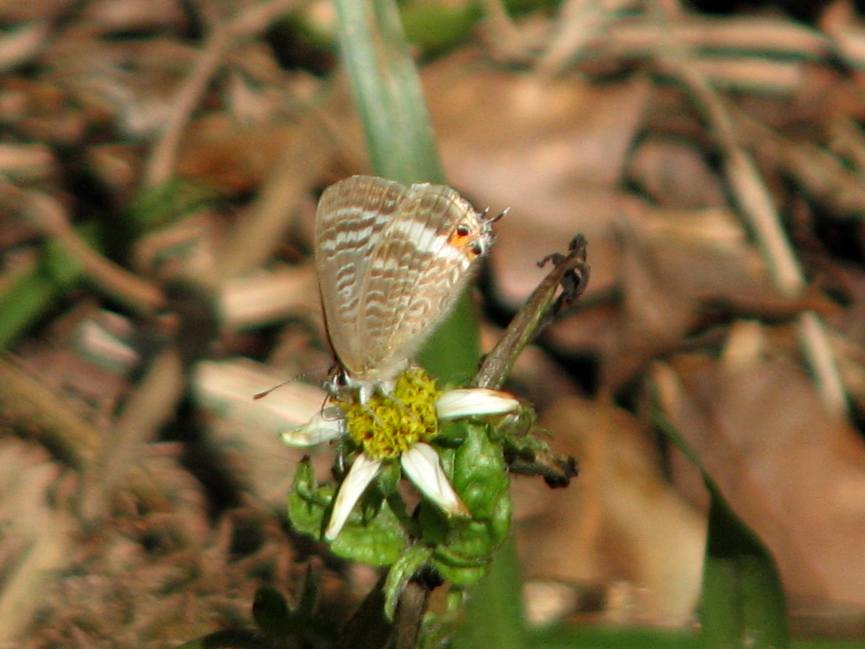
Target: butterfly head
{"x": 473, "y": 236}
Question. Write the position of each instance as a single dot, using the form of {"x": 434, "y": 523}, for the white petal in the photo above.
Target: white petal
{"x": 322, "y": 427}
{"x": 421, "y": 464}
{"x": 474, "y": 402}
{"x": 362, "y": 471}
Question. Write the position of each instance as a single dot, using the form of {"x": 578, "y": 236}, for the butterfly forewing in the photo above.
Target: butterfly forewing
{"x": 349, "y": 218}
{"x": 414, "y": 277}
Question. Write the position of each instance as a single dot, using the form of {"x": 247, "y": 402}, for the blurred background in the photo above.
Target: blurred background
{"x": 160, "y": 162}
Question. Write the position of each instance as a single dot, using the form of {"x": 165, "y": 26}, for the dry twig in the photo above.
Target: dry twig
{"x": 49, "y": 216}
{"x": 759, "y": 211}
{"x": 254, "y": 19}
{"x": 144, "y": 413}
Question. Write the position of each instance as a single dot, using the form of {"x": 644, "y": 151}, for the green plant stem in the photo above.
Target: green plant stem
{"x": 389, "y": 98}
{"x": 27, "y": 297}
{"x": 494, "y": 617}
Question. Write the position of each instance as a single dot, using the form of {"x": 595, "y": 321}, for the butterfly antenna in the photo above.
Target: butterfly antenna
{"x": 261, "y": 395}
{"x": 498, "y": 216}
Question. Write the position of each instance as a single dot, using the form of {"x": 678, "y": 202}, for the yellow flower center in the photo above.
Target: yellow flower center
{"x": 387, "y": 426}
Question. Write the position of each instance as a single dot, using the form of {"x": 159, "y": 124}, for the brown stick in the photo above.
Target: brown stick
{"x": 163, "y": 158}
{"x": 571, "y": 273}
{"x": 49, "y": 216}
{"x": 409, "y": 614}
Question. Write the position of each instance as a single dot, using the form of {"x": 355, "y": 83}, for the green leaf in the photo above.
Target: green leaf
{"x": 743, "y": 602}
{"x": 271, "y": 613}
{"x": 451, "y": 434}
{"x": 308, "y": 503}
{"x": 464, "y": 548}
{"x": 466, "y": 554}
{"x": 157, "y": 206}
{"x": 517, "y": 433}
{"x": 308, "y": 596}
{"x": 479, "y": 474}
{"x": 374, "y": 536}
{"x": 412, "y": 560}
{"x": 388, "y": 478}
{"x": 436, "y": 27}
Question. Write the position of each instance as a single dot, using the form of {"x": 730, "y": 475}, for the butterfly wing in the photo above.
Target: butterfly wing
{"x": 391, "y": 263}
{"x": 350, "y": 217}
{"x": 423, "y": 259}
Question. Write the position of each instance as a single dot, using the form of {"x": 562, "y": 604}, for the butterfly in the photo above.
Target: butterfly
{"x": 391, "y": 263}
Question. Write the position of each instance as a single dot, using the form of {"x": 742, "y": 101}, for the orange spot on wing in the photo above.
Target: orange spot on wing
{"x": 462, "y": 242}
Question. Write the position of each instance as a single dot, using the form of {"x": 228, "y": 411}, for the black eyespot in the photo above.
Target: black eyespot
{"x": 477, "y": 248}
{"x": 463, "y": 230}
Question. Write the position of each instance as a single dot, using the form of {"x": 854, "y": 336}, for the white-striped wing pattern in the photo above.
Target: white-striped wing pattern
{"x": 391, "y": 262}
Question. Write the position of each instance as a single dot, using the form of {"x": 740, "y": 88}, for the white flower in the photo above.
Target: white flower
{"x": 422, "y": 466}
{"x": 396, "y": 426}
{"x": 474, "y": 402}
{"x": 324, "y": 426}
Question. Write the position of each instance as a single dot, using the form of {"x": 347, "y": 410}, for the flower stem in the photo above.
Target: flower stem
{"x": 571, "y": 273}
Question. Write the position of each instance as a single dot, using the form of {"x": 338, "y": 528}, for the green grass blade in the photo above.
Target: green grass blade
{"x": 743, "y": 602}
{"x": 389, "y": 98}
{"x": 494, "y": 617}
{"x": 387, "y": 91}
{"x": 401, "y": 143}
{"x": 28, "y": 297}
{"x": 597, "y": 637}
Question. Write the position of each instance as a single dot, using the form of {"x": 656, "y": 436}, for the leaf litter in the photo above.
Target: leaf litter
{"x": 713, "y": 162}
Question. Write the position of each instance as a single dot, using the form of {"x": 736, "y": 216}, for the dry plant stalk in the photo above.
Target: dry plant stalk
{"x": 251, "y": 21}
{"x": 144, "y": 413}
{"x": 48, "y": 215}
{"x": 757, "y": 208}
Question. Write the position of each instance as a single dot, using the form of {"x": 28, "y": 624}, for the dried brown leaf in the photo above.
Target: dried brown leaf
{"x": 552, "y": 150}
{"x": 621, "y": 521}
{"x": 675, "y": 174}
{"x": 791, "y": 470}
{"x": 23, "y": 43}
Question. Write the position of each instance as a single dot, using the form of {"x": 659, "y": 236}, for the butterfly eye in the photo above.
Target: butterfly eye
{"x": 477, "y": 248}
{"x": 463, "y": 230}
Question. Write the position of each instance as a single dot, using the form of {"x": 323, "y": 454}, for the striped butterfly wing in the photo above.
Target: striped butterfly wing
{"x": 350, "y": 217}
{"x": 422, "y": 259}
